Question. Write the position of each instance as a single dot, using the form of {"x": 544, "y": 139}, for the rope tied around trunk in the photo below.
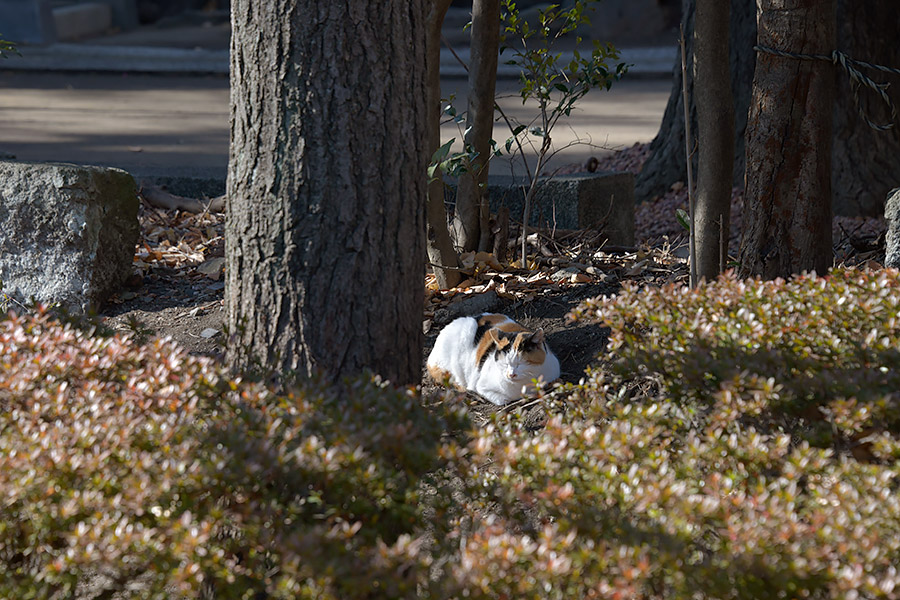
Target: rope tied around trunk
{"x": 853, "y": 68}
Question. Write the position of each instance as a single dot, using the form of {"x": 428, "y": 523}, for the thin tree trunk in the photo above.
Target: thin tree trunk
{"x": 715, "y": 119}
{"x": 441, "y": 253}
{"x": 326, "y": 177}
{"x": 470, "y": 224}
{"x": 666, "y": 163}
{"x": 787, "y": 203}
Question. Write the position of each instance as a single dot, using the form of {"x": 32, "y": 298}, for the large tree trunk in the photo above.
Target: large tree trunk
{"x": 715, "y": 117}
{"x": 666, "y": 163}
{"x": 866, "y": 162}
{"x": 326, "y": 177}
{"x": 787, "y": 205}
{"x": 470, "y": 221}
{"x": 441, "y": 253}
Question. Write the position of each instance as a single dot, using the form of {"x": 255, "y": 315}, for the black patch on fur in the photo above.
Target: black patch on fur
{"x": 483, "y": 328}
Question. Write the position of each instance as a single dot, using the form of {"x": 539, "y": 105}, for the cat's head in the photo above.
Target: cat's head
{"x": 520, "y": 354}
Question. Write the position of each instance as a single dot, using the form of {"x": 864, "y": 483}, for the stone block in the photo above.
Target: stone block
{"x": 599, "y": 201}
{"x": 124, "y": 12}
{"x": 892, "y": 237}
{"x": 27, "y": 21}
{"x": 79, "y": 21}
{"x": 67, "y": 233}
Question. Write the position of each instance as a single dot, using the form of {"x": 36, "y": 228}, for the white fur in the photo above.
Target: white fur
{"x": 500, "y": 379}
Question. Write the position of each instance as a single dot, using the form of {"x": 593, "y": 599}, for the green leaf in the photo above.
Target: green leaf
{"x": 442, "y": 152}
{"x": 683, "y": 219}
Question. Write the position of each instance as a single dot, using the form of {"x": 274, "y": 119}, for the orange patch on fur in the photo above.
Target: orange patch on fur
{"x": 490, "y": 339}
{"x": 491, "y": 319}
{"x": 438, "y": 375}
{"x": 501, "y": 322}
{"x": 537, "y": 353}
{"x": 510, "y": 327}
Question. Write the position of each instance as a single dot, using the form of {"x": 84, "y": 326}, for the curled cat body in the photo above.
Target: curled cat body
{"x": 493, "y": 356}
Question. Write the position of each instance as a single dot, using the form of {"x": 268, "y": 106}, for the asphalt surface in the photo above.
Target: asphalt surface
{"x": 156, "y": 103}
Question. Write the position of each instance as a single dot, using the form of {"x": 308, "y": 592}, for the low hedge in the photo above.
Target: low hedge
{"x": 141, "y": 471}
{"x": 739, "y": 441}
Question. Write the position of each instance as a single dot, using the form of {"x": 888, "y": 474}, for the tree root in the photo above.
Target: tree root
{"x": 160, "y": 198}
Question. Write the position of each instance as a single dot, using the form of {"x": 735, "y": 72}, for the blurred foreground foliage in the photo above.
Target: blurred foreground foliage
{"x": 739, "y": 441}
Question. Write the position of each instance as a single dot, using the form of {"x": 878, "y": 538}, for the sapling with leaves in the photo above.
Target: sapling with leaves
{"x": 555, "y": 87}
{"x": 6, "y": 48}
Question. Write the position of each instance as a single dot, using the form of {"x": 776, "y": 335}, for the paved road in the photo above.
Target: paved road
{"x": 165, "y": 125}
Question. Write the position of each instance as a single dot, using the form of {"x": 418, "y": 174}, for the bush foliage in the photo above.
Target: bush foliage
{"x": 739, "y": 441}
{"x": 140, "y": 470}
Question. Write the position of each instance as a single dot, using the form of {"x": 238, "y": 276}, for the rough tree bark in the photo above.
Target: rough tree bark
{"x": 715, "y": 120}
{"x": 866, "y": 163}
{"x": 787, "y": 207}
{"x": 441, "y": 253}
{"x": 326, "y": 178}
{"x": 666, "y": 163}
{"x": 470, "y": 222}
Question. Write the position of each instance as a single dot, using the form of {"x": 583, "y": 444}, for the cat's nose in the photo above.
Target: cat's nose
{"x": 512, "y": 375}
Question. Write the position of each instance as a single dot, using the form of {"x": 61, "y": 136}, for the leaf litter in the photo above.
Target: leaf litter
{"x": 181, "y": 252}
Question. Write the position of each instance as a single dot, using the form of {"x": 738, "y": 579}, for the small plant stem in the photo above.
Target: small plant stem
{"x": 687, "y": 152}
{"x": 723, "y": 245}
{"x": 532, "y": 188}
{"x": 518, "y": 143}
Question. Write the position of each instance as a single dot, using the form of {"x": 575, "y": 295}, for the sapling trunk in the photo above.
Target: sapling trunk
{"x": 441, "y": 253}
{"x": 470, "y": 222}
{"x": 715, "y": 124}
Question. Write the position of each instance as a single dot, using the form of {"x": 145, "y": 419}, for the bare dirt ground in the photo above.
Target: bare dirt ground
{"x": 177, "y": 290}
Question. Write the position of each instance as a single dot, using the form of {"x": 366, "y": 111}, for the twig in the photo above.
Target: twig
{"x": 453, "y": 52}
{"x": 461, "y": 270}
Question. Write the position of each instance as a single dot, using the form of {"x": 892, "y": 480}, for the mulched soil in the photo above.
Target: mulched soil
{"x": 177, "y": 290}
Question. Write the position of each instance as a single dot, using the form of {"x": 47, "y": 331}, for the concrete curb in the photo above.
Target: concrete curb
{"x": 84, "y": 57}
{"x": 648, "y": 62}
{"x": 656, "y": 62}
{"x": 602, "y": 201}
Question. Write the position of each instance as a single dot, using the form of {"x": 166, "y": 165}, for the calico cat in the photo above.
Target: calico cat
{"x": 493, "y": 356}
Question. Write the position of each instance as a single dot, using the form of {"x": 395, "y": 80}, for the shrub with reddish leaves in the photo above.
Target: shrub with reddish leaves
{"x": 820, "y": 352}
{"x": 141, "y": 471}
{"x": 740, "y": 441}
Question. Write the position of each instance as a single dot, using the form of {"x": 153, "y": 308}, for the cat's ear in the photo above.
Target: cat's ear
{"x": 537, "y": 337}
{"x": 494, "y": 335}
